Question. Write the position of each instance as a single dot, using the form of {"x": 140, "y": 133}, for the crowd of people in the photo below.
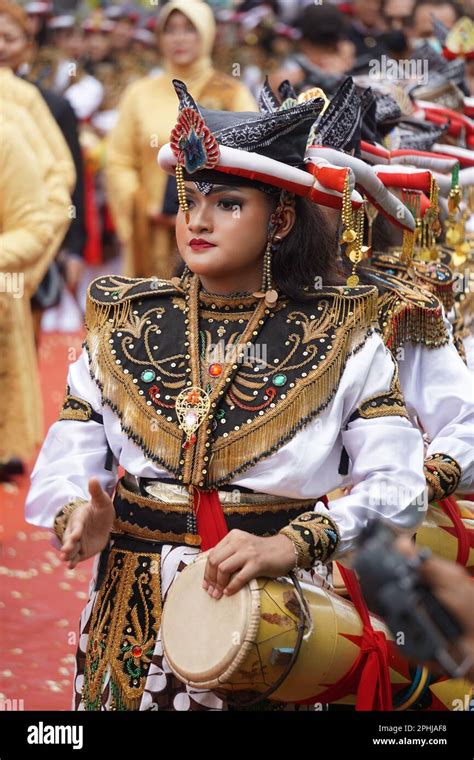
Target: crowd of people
{"x": 341, "y": 138}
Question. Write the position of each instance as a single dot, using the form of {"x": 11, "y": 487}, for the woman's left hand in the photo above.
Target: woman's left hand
{"x": 241, "y": 556}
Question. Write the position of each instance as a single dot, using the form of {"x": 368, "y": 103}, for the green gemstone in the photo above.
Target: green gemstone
{"x": 280, "y": 380}
{"x": 147, "y": 375}
{"x": 220, "y": 414}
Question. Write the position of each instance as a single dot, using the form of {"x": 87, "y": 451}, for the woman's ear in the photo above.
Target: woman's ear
{"x": 288, "y": 218}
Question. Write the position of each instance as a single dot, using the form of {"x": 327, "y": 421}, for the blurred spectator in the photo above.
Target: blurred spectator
{"x": 325, "y": 51}
{"x": 26, "y": 251}
{"x": 57, "y": 66}
{"x": 26, "y": 230}
{"x": 15, "y": 49}
{"x": 367, "y": 27}
{"x": 422, "y": 24}
{"x": 397, "y": 14}
{"x": 124, "y": 19}
{"x": 38, "y": 14}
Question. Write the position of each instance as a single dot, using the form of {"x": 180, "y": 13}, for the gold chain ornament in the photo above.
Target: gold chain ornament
{"x": 353, "y": 234}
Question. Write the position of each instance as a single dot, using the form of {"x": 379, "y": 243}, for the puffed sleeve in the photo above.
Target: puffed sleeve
{"x": 384, "y": 459}
{"x": 439, "y": 392}
{"x": 75, "y": 449}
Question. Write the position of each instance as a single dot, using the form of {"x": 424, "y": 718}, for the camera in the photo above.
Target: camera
{"x": 393, "y": 588}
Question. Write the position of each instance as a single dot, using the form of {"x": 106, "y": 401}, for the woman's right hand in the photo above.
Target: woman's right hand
{"x": 89, "y": 527}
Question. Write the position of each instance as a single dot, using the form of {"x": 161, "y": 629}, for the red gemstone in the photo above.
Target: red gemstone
{"x": 215, "y": 370}
{"x": 190, "y": 442}
{"x": 137, "y": 651}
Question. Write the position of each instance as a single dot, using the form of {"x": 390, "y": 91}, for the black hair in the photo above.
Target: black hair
{"x": 323, "y": 25}
{"x": 385, "y": 234}
{"x": 308, "y": 252}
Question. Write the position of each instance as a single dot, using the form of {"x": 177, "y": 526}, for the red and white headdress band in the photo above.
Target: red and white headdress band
{"x": 325, "y": 188}
{"x": 465, "y": 157}
{"x": 367, "y": 179}
{"x": 436, "y": 162}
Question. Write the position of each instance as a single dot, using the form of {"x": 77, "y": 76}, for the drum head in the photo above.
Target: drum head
{"x": 204, "y": 639}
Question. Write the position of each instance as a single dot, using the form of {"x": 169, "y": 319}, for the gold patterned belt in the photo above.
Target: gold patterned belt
{"x": 159, "y": 511}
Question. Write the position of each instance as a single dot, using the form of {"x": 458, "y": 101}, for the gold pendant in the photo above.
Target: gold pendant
{"x": 271, "y": 297}
{"x": 355, "y": 256}
{"x": 192, "y": 407}
{"x": 348, "y": 236}
{"x": 452, "y": 236}
{"x": 352, "y": 280}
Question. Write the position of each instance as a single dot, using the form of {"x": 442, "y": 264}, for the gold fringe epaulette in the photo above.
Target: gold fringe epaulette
{"x": 434, "y": 276}
{"x": 109, "y": 298}
{"x": 407, "y": 313}
{"x": 438, "y": 278}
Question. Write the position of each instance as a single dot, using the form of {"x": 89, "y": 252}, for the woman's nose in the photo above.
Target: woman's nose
{"x": 200, "y": 219}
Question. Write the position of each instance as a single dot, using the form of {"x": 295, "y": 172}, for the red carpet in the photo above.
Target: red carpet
{"x": 40, "y": 599}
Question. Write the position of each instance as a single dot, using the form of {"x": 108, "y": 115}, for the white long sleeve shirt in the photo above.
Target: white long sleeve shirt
{"x": 439, "y": 396}
{"x": 385, "y": 453}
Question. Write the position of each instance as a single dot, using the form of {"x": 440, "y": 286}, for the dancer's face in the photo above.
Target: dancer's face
{"x": 235, "y": 221}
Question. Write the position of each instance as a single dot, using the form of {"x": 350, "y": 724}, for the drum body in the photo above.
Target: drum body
{"x": 438, "y": 532}
{"x": 242, "y": 643}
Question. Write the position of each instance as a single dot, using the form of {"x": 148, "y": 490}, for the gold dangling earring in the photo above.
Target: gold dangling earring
{"x": 267, "y": 290}
{"x": 178, "y": 282}
{"x": 271, "y": 295}
{"x": 349, "y": 235}
{"x": 276, "y": 222}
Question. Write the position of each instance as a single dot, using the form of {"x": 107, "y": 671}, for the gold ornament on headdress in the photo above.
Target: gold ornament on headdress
{"x": 431, "y": 227}
{"x": 353, "y": 234}
{"x": 460, "y": 39}
{"x": 195, "y": 148}
{"x": 413, "y": 203}
{"x": 456, "y": 222}
{"x": 314, "y": 92}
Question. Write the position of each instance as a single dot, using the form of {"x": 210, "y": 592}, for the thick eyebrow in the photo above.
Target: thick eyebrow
{"x": 217, "y": 189}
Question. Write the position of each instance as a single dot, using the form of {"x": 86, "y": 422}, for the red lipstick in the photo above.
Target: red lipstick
{"x": 198, "y": 244}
